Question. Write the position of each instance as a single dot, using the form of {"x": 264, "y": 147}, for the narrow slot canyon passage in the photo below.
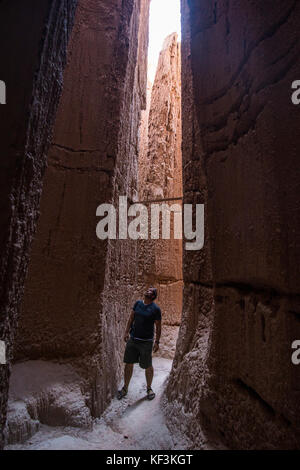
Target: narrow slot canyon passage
{"x": 169, "y": 103}
{"x": 160, "y": 179}
{"x": 134, "y": 423}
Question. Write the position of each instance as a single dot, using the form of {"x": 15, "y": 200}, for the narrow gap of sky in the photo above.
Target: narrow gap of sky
{"x": 164, "y": 19}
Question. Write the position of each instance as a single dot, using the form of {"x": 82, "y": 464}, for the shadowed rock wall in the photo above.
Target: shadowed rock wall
{"x": 33, "y": 38}
{"x": 239, "y": 61}
{"x": 160, "y": 177}
{"x": 121, "y": 274}
{"x": 92, "y": 160}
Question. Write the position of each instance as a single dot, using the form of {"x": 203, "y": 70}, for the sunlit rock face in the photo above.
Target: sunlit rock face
{"x": 33, "y": 54}
{"x": 79, "y": 288}
{"x": 160, "y": 177}
{"x": 232, "y": 369}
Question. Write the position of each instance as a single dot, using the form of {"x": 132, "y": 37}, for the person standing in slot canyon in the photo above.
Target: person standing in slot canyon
{"x": 139, "y": 338}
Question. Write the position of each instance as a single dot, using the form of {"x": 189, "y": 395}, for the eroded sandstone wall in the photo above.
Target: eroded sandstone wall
{"x": 121, "y": 275}
{"x": 33, "y": 37}
{"x": 92, "y": 160}
{"x": 240, "y": 59}
{"x": 160, "y": 177}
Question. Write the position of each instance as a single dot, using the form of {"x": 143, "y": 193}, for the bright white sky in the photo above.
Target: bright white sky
{"x": 164, "y": 20}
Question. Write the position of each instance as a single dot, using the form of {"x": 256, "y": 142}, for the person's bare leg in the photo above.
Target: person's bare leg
{"x": 127, "y": 375}
{"x": 149, "y": 376}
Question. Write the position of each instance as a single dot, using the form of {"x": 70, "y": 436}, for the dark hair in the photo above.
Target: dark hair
{"x": 154, "y": 292}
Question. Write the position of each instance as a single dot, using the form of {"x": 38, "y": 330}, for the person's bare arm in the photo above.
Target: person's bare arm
{"x": 129, "y": 323}
{"x": 157, "y": 335}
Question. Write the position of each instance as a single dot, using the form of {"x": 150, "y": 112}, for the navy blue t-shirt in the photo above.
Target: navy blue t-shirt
{"x": 144, "y": 317}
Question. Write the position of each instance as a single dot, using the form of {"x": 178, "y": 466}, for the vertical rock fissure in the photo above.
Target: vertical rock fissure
{"x": 160, "y": 178}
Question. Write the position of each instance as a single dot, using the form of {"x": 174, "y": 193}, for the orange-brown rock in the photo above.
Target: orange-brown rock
{"x": 33, "y": 37}
{"x": 160, "y": 177}
{"x": 233, "y": 370}
{"x": 93, "y": 158}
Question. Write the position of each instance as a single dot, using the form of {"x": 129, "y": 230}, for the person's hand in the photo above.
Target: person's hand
{"x": 126, "y": 337}
{"x": 155, "y": 347}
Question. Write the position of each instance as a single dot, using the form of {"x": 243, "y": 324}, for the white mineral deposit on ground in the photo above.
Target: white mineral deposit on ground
{"x": 133, "y": 423}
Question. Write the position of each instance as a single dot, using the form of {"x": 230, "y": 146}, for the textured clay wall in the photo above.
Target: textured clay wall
{"x": 160, "y": 177}
{"x": 121, "y": 274}
{"x": 92, "y": 159}
{"x": 243, "y": 60}
{"x": 37, "y": 33}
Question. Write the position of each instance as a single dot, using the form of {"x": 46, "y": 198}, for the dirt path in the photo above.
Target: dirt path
{"x": 133, "y": 423}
